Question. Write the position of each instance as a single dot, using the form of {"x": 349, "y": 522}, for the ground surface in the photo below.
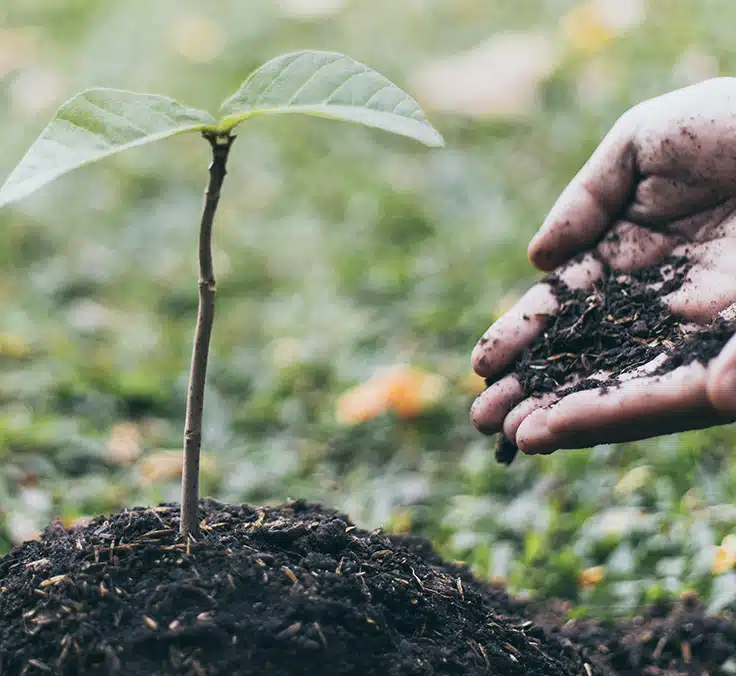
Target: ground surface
{"x": 297, "y": 590}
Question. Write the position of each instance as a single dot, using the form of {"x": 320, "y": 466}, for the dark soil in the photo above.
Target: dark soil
{"x": 299, "y": 590}
{"x": 676, "y": 639}
{"x": 293, "y": 590}
{"x": 619, "y": 326}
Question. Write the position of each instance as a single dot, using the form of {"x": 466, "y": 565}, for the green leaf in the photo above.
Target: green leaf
{"x": 95, "y": 124}
{"x": 327, "y": 84}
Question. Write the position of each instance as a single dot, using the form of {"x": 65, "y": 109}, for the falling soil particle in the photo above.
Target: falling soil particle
{"x": 298, "y": 590}
{"x": 618, "y": 326}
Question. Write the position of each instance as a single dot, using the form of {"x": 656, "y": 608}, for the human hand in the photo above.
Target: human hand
{"x": 662, "y": 183}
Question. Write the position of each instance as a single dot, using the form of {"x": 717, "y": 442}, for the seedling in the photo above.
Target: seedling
{"x": 101, "y": 122}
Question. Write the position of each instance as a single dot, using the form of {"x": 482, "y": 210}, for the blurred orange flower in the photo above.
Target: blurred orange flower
{"x": 472, "y": 383}
{"x": 124, "y": 444}
{"x": 165, "y": 464}
{"x": 402, "y": 390}
{"x": 591, "y": 577}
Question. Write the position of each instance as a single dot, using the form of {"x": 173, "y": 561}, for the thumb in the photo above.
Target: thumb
{"x": 722, "y": 374}
{"x": 592, "y": 201}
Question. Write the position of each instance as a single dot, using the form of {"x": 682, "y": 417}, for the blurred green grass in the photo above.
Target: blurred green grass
{"x": 339, "y": 251}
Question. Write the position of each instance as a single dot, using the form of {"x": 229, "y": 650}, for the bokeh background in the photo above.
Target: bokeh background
{"x": 355, "y": 270}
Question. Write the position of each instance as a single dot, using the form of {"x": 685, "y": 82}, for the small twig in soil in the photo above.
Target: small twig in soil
{"x": 220, "y": 144}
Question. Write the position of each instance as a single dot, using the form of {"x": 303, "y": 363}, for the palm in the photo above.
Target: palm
{"x": 662, "y": 183}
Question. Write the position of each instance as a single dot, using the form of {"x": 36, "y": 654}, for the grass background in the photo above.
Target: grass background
{"x": 339, "y": 252}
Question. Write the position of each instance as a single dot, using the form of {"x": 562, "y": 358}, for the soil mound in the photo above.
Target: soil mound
{"x": 298, "y": 590}
{"x": 289, "y": 590}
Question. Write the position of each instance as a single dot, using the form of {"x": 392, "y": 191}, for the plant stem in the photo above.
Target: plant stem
{"x": 189, "y": 526}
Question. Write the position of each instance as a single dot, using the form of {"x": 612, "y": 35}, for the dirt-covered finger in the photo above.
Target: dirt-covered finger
{"x": 491, "y": 406}
{"x": 629, "y": 247}
{"x": 710, "y": 284}
{"x": 547, "y": 442}
{"x": 523, "y": 410}
{"x": 704, "y": 293}
{"x": 516, "y": 329}
{"x": 721, "y": 385}
{"x": 642, "y": 407}
{"x": 591, "y": 202}
{"x": 513, "y": 331}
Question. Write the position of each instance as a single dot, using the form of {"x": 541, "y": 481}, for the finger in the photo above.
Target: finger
{"x": 710, "y": 285}
{"x": 523, "y": 410}
{"x": 491, "y": 406}
{"x": 636, "y": 409}
{"x": 547, "y": 441}
{"x": 526, "y": 407}
{"x": 721, "y": 384}
{"x": 591, "y": 202}
{"x": 704, "y": 293}
{"x": 516, "y": 329}
{"x": 661, "y": 200}
{"x": 629, "y": 247}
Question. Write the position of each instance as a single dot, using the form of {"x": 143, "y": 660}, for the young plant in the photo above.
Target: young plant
{"x": 101, "y": 122}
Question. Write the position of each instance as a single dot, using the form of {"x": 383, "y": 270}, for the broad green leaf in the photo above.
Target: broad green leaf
{"x": 326, "y": 84}
{"x": 95, "y": 124}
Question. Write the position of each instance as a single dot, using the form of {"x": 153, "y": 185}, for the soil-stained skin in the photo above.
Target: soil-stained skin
{"x": 653, "y": 212}
{"x": 616, "y": 327}
{"x": 609, "y": 331}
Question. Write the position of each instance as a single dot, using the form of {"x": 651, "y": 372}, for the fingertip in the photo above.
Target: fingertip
{"x": 534, "y": 437}
{"x": 479, "y": 358}
{"x": 491, "y": 407}
{"x": 513, "y": 331}
{"x": 480, "y": 419}
{"x": 523, "y": 410}
{"x": 541, "y": 256}
{"x": 722, "y": 390}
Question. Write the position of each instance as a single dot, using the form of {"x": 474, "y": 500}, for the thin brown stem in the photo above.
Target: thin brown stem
{"x": 189, "y": 526}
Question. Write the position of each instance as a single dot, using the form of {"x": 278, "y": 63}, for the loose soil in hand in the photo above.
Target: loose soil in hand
{"x": 299, "y": 590}
{"x": 617, "y": 327}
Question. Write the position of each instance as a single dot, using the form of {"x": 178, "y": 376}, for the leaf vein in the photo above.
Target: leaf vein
{"x": 116, "y": 115}
{"x": 277, "y": 78}
{"x": 351, "y": 77}
{"x": 301, "y": 87}
{"x": 377, "y": 92}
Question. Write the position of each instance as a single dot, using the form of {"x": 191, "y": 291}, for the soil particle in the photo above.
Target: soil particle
{"x": 506, "y": 449}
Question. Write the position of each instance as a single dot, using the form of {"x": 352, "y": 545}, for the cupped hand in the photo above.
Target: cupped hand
{"x": 662, "y": 183}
